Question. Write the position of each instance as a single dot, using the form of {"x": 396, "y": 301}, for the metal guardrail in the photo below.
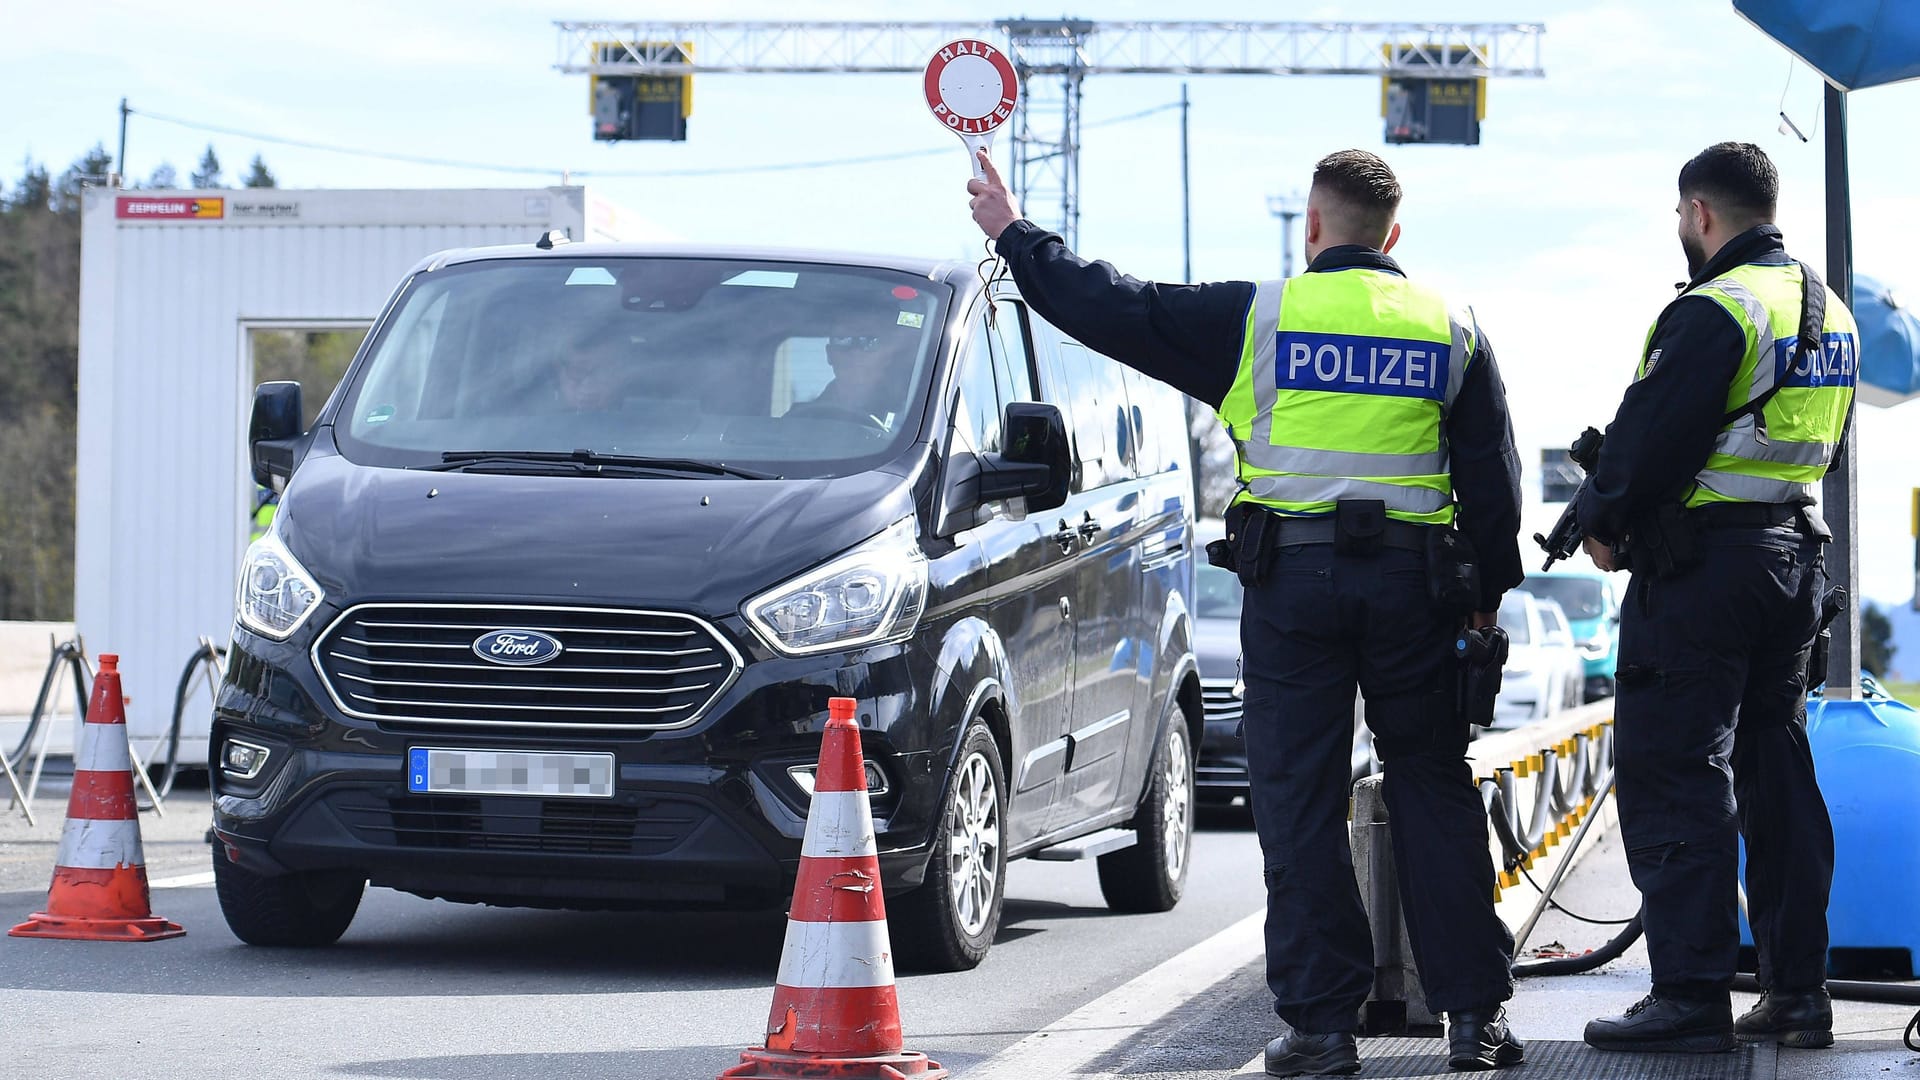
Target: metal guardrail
{"x": 1568, "y": 782}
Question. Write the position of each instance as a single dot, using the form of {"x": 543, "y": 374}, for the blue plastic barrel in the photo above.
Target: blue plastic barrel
{"x": 1867, "y": 755}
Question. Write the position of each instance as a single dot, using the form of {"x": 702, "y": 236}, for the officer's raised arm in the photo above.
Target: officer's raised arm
{"x": 1187, "y": 336}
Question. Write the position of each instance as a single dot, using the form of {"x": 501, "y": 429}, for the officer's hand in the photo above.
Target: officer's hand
{"x": 1600, "y": 553}
{"x": 992, "y": 204}
{"x": 1480, "y": 620}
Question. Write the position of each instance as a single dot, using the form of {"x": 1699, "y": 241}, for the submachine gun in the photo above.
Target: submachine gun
{"x": 1565, "y": 538}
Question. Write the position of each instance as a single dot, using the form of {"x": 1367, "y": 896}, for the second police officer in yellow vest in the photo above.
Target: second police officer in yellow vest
{"x": 1707, "y": 481}
{"x": 1366, "y": 414}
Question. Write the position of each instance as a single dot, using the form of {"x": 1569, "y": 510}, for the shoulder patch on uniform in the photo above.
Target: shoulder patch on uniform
{"x": 1652, "y": 359}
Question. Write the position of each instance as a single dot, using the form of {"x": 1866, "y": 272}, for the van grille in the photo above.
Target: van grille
{"x": 617, "y": 669}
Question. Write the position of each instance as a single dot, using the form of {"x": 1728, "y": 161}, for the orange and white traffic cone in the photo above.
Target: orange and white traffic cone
{"x": 835, "y": 1013}
{"x": 99, "y": 890}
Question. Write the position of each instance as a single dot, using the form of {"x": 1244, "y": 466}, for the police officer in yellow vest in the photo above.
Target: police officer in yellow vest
{"x": 1707, "y": 481}
{"x": 266, "y": 503}
{"x": 1369, "y": 418}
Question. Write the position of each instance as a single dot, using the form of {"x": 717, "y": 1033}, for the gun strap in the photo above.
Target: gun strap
{"x": 1813, "y": 321}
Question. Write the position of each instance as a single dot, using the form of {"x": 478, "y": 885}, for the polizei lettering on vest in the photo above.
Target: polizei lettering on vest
{"x": 1361, "y": 365}
{"x": 1835, "y": 363}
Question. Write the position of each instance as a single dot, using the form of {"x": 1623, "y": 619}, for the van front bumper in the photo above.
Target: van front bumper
{"x": 707, "y": 816}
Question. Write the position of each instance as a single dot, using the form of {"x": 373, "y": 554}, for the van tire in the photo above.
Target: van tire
{"x": 929, "y": 932}
{"x": 301, "y": 909}
{"x": 1151, "y": 875}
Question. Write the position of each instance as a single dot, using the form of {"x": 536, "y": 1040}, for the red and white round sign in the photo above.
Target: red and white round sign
{"x": 971, "y": 87}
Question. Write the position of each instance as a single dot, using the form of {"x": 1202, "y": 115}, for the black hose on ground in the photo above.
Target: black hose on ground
{"x": 1575, "y": 965}
{"x": 1850, "y": 990}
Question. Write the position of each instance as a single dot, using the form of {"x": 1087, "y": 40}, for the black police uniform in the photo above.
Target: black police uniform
{"x": 1710, "y": 723}
{"x": 1319, "y": 623}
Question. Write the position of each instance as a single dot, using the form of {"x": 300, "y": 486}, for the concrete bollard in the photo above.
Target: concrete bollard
{"x": 1396, "y": 1004}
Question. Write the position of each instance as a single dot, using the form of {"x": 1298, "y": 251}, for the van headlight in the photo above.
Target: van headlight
{"x": 870, "y": 595}
{"x": 276, "y": 594}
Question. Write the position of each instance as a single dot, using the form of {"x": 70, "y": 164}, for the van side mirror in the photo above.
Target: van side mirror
{"x": 1037, "y": 462}
{"x": 274, "y": 432}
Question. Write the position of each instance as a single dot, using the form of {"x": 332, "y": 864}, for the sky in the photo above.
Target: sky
{"x": 1558, "y": 229}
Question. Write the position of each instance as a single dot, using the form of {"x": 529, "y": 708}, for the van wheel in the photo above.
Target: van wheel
{"x": 312, "y": 908}
{"x": 948, "y": 923}
{"x": 1150, "y": 875}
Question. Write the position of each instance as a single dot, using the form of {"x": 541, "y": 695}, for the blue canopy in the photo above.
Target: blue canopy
{"x": 1889, "y": 344}
{"x": 1854, "y": 43}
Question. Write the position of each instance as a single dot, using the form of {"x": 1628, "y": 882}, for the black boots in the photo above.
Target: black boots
{"x": 1476, "y": 1039}
{"x": 1803, "y": 1020}
{"x": 1656, "y": 1023}
{"x": 1479, "y": 1039}
{"x": 1301, "y": 1054}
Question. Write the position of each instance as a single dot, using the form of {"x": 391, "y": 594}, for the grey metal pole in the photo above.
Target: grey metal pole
{"x": 1837, "y": 492}
{"x": 1186, "y": 192}
{"x": 120, "y": 161}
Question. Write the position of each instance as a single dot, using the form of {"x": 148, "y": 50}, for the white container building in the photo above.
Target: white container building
{"x": 175, "y": 288}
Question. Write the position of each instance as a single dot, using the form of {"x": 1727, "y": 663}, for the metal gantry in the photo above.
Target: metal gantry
{"x": 1052, "y": 58}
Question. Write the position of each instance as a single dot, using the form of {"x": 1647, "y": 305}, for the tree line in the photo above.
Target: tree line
{"x": 39, "y": 364}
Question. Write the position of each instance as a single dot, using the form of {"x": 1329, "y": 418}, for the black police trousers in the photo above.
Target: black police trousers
{"x": 1710, "y": 736}
{"x": 1319, "y": 623}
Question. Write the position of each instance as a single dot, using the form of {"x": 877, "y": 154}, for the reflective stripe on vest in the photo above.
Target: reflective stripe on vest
{"x": 1358, "y": 369}
{"x": 1780, "y": 456}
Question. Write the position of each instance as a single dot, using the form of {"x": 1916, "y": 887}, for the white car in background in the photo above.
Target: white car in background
{"x": 1545, "y": 672}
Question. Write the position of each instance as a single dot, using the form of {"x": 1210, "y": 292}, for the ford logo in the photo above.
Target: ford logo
{"x": 518, "y": 648}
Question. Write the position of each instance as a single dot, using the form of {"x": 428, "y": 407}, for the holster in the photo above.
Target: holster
{"x": 1249, "y": 543}
{"x": 1664, "y": 542}
{"x": 1831, "y": 605}
{"x": 1453, "y": 573}
{"x": 1482, "y": 654}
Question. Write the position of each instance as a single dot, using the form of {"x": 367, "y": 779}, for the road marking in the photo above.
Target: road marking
{"x": 184, "y": 881}
{"x": 1065, "y": 1047}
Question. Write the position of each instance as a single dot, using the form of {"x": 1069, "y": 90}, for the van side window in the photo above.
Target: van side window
{"x": 1015, "y": 368}
{"x": 1154, "y": 406}
{"x": 1103, "y": 427}
{"x": 977, "y": 413}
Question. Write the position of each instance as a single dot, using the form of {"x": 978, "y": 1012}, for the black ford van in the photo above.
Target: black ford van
{"x": 568, "y": 566}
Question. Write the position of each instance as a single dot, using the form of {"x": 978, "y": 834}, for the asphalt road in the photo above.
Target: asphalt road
{"x": 429, "y": 989}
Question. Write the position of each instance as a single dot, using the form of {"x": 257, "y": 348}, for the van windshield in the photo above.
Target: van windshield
{"x": 788, "y": 369}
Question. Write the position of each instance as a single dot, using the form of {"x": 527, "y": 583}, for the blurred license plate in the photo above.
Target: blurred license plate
{"x": 510, "y": 772}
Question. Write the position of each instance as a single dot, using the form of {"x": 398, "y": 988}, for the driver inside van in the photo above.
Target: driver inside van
{"x": 872, "y": 355}
{"x": 590, "y": 373}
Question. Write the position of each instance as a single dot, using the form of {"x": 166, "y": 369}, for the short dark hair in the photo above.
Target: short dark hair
{"x": 1364, "y": 183}
{"x": 1734, "y": 177}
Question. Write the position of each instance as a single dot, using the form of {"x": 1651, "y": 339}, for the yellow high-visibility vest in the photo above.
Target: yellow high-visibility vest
{"x": 1780, "y": 455}
{"x": 1346, "y": 377}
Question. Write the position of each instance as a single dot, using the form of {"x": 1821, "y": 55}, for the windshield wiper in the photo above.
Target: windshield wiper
{"x": 458, "y": 459}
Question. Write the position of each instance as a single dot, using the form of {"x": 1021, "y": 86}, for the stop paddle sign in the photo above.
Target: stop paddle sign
{"x": 972, "y": 91}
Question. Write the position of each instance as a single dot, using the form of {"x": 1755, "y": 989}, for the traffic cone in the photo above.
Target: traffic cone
{"x": 834, "y": 1012}
{"x": 99, "y": 890}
